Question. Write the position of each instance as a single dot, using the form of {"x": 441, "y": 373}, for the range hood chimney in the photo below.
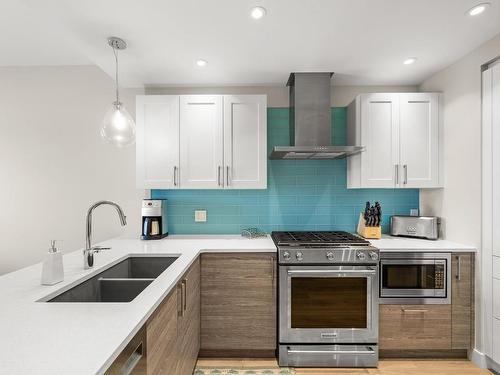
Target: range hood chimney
{"x": 310, "y": 120}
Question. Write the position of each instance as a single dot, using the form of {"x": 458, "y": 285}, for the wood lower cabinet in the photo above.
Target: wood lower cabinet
{"x": 415, "y": 327}
{"x": 173, "y": 331}
{"x": 462, "y": 308}
{"x": 238, "y": 304}
{"x": 433, "y": 330}
{"x": 189, "y": 321}
{"x": 161, "y": 331}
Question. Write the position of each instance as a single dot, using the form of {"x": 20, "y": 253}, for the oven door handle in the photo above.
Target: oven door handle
{"x": 367, "y": 272}
{"x": 370, "y": 351}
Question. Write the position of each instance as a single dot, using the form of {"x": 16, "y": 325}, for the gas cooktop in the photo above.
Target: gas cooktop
{"x": 321, "y": 248}
{"x": 317, "y": 239}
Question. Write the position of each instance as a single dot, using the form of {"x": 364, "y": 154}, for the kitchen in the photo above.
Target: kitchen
{"x": 264, "y": 211}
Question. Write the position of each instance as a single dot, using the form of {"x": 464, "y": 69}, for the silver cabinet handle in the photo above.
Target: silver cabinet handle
{"x": 459, "y": 269}
{"x": 175, "y": 175}
{"x": 218, "y": 175}
{"x": 227, "y": 175}
{"x": 180, "y": 308}
{"x": 405, "y": 169}
{"x": 131, "y": 363}
{"x": 413, "y": 310}
{"x": 396, "y": 173}
{"x": 184, "y": 299}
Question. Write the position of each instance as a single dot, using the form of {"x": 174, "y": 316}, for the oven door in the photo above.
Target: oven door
{"x": 328, "y": 304}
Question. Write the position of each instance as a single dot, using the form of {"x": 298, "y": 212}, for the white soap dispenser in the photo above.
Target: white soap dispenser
{"x": 52, "y": 268}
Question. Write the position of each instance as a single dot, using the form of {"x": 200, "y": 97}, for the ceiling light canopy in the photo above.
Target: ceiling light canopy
{"x": 478, "y": 9}
{"x": 410, "y": 60}
{"x": 118, "y": 127}
{"x": 258, "y": 12}
{"x": 201, "y": 62}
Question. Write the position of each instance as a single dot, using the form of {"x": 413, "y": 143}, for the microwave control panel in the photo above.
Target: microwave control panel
{"x": 439, "y": 278}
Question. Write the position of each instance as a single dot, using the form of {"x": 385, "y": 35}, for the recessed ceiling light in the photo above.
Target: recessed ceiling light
{"x": 478, "y": 9}
{"x": 201, "y": 62}
{"x": 410, "y": 60}
{"x": 258, "y": 12}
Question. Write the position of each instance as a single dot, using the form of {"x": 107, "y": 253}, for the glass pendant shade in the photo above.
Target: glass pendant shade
{"x": 118, "y": 127}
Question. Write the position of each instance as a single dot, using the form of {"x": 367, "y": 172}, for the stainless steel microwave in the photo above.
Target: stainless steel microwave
{"x": 413, "y": 278}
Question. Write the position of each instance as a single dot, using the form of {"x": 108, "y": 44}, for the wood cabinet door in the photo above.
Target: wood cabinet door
{"x": 161, "y": 332}
{"x": 157, "y": 141}
{"x": 380, "y": 136}
{"x": 238, "y": 304}
{"x": 415, "y": 327}
{"x": 189, "y": 320}
{"x": 245, "y": 141}
{"x": 419, "y": 140}
{"x": 462, "y": 300}
{"x": 201, "y": 143}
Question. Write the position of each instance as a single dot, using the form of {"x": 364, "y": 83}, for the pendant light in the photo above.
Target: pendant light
{"x": 118, "y": 127}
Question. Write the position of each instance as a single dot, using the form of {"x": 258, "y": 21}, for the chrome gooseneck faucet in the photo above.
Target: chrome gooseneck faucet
{"x": 88, "y": 253}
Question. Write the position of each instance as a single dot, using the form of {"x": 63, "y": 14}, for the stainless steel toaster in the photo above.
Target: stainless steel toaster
{"x": 415, "y": 226}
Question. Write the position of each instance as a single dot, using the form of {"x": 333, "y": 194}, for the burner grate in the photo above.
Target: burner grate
{"x": 317, "y": 238}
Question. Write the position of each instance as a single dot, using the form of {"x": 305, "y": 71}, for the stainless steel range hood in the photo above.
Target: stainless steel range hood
{"x": 310, "y": 120}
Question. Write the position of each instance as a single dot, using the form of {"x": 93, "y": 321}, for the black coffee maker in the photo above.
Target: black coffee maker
{"x": 154, "y": 219}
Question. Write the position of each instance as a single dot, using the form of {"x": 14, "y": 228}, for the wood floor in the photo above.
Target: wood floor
{"x": 386, "y": 367}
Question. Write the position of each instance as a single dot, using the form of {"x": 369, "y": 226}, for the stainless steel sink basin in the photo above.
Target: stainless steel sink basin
{"x": 120, "y": 283}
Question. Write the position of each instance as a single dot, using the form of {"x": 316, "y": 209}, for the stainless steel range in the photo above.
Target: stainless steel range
{"x": 328, "y": 300}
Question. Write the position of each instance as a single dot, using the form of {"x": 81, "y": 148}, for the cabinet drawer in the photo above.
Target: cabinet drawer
{"x": 414, "y": 327}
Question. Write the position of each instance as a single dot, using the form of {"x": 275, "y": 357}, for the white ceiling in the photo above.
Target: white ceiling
{"x": 363, "y": 41}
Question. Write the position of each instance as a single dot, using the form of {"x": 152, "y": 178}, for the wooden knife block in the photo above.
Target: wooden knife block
{"x": 373, "y": 233}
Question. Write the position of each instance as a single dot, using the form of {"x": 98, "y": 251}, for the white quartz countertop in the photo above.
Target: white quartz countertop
{"x": 402, "y": 244}
{"x": 85, "y": 338}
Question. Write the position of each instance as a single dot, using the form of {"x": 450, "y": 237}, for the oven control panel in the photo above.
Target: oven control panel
{"x": 360, "y": 255}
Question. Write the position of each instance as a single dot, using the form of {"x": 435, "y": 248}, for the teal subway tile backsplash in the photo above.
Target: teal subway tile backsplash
{"x": 301, "y": 194}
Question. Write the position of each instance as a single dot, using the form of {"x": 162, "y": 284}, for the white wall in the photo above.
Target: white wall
{"x": 459, "y": 203}
{"x": 54, "y": 164}
{"x": 277, "y": 96}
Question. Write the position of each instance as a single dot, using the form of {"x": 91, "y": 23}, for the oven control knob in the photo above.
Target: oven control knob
{"x": 329, "y": 255}
{"x": 286, "y": 255}
{"x": 299, "y": 255}
{"x": 373, "y": 255}
{"x": 361, "y": 255}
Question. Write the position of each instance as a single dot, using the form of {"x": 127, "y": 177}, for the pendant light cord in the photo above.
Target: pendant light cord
{"x": 116, "y": 75}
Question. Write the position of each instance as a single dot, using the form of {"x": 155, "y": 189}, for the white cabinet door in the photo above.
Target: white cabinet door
{"x": 379, "y": 135}
{"x": 419, "y": 140}
{"x": 201, "y": 143}
{"x": 245, "y": 141}
{"x": 157, "y": 142}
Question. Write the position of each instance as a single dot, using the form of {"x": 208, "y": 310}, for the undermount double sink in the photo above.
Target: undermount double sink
{"x": 120, "y": 283}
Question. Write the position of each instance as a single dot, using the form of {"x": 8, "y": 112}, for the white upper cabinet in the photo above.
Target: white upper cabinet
{"x": 201, "y": 142}
{"x": 245, "y": 141}
{"x": 419, "y": 140}
{"x": 157, "y": 142}
{"x": 379, "y": 134}
{"x": 401, "y": 133}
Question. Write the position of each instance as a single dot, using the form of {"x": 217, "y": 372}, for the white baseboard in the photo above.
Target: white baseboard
{"x": 492, "y": 365}
{"x": 478, "y": 358}
{"x": 483, "y": 361}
